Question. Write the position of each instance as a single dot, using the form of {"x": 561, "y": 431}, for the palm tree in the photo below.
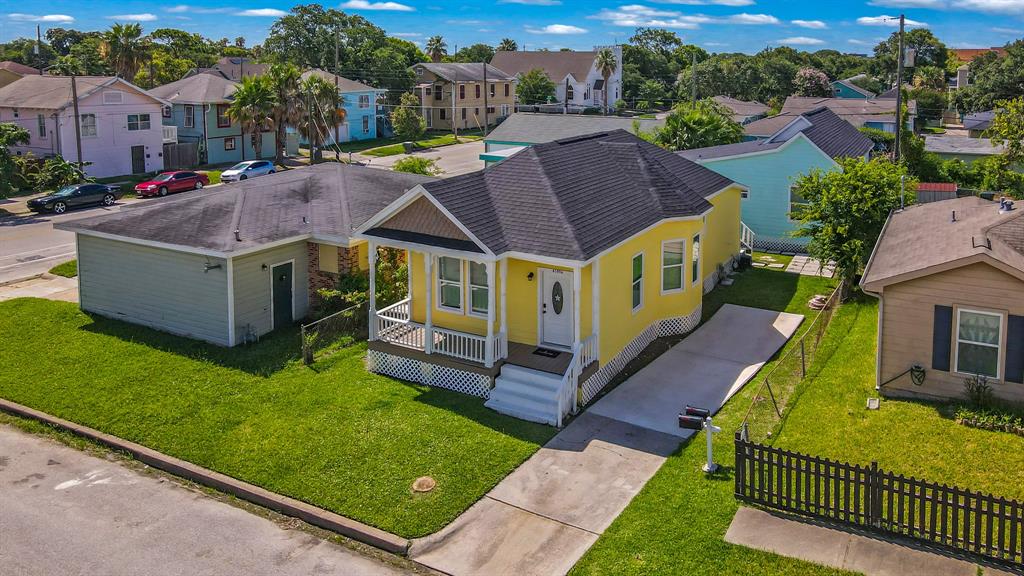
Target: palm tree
{"x": 252, "y": 106}
{"x": 320, "y": 107}
{"x": 285, "y": 79}
{"x": 508, "y": 45}
{"x": 607, "y": 64}
{"x": 436, "y": 48}
{"x": 125, "y": 49}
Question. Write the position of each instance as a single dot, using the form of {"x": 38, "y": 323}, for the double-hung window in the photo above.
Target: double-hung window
{"x": 449, "y": 283}
{"x": 88, "y": 122}
{"x": 41, "y": 120}
{"x": 672, "y": 256}
{"x": 979, "y": 336}
{"x": 695, "y": 265}
{"x": 190, "y": 116}
{"x": 637, "y": 287}
{"x": 137, "y": 122}
{"x": 478, "y": 288}
{"x": 364, "y": 100}
{"x": 366, "y": 124}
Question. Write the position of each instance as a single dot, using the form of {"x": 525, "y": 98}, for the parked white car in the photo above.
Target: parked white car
{"x": 246, "y": 170}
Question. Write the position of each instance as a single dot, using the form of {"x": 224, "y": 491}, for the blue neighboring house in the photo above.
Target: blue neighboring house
{"x": 771, "y": 166}
{"x": 847, "y": 89}
{"x": 361, "y": 109}
{"x": 199, "y": 105}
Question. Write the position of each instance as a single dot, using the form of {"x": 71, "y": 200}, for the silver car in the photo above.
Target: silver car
{"x": 246, "y": 170}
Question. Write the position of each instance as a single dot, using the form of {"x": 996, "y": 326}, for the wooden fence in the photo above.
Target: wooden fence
{"x": 868, "y": 497}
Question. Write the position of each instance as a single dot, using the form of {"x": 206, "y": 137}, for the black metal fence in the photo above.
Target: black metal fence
{"x": 337, "y": 330}
{"x": 868, "y": 497}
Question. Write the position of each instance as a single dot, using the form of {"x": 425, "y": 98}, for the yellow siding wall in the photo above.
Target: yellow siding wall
{"x": 722, "y": 235}
{"x": 443, "y": 318}
{"x": 619, "y": 324}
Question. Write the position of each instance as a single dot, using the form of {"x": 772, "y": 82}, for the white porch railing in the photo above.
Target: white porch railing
{"x": 746, "y": 236}
{"x": 170, "y": 134}
{"x": 394, "y": 326}
{"x": 459, "y": 344}
{"x": 568, "y": 391}
{"x": 397, "y": 311}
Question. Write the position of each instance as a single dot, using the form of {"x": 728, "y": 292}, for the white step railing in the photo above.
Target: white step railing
{"x": 397, "y": 311}
{"x": 746, "y": 237}
{"x": 568, "y": 391}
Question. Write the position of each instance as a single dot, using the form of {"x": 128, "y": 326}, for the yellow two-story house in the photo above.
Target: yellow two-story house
{"x": 463, "y": 96}
{"x": 533, "y": 282}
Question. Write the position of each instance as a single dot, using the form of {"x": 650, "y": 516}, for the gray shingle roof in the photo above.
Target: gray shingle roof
{"x": 835, "y": 136}
{"x": 742, "y": 109}
{"x": 555, "y": 64}
{"x": 49, "y": 92}
{"x": 539, "y": 128}
{"x": 203, "y": 88}
{"x": 470, "y": 72}
{"x": 574, "y": 198}
{"x": 327, "y": 200}
{"x": 344, "y": 84}
{"x": 979, "y": 120}
{"x": 945, "y": 144}
{"x": 18, "y": 68}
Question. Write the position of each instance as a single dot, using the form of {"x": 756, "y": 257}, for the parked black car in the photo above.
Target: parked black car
{"x": 74, "y": 196}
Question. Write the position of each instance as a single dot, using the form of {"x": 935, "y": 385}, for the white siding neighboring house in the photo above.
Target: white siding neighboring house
{"x": 575, "y": 73}
{"x": 120, "y": 122}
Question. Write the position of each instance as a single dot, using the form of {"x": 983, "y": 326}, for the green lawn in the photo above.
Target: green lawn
{"x": 333, "y": 435}
{"x": 677, "y": 522}
{"x": 430, "y": 142}
{"x": 67, "y": 269}
{"x": 769, "y": 258}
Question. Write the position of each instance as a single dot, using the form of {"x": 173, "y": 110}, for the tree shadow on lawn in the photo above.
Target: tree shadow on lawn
{"x": 269, "y": 355}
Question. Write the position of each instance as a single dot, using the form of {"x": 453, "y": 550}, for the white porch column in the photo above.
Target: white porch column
{"x": 408, "y": 280}
{"x": 502, "y": 321}
{"x": 577, "y": 293}
{"x": 428, "y": 282}
{"x": 371, "y": 256}
{"x": 489, "y": 352}
{"x": 595, "y": 298}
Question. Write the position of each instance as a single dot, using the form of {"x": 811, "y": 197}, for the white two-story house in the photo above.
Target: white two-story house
{"x": 119, "y": 122}
{"x": 578, "y": 80}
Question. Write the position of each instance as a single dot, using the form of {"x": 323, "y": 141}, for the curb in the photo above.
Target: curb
{"x": 288, "y": 506}
{"x": 20, "y": 280}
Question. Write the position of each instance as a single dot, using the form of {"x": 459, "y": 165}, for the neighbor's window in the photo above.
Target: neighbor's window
{"x": 222, "y": 116}
{"x": 190, "y": 116}
{"x": 438, "y": 92}
{"x": 138, "y": 122}
{"x": 42, "y": 125}
{"x": 797, "y": 203}
{"x": 492, "y": 89}
{"x": 229, "y": 143}
{"x": 442, "y": 114}
{"x": 462, "y": 92}
{"x": 506, "y": 89}
{"x": 166, "y": 111}
{"x": 978, "y": 337}
{"x": 463, "y": 113}
{"x": 88, "y": 125}
{"x": 695, "y": 265}
{"x": 638, "y": 281}
{"x": 477, "y": 86}
{"x": 478, "y": 288}
{"x": 569, "y": 92}
{"x": 366, "y": 124}
{"x": 449, "y": 282}
{"x": 364, "y": 100}
{"x": 672, "y": 265}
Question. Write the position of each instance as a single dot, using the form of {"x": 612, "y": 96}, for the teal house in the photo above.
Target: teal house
{"x": 361, "y": 111}
{"x": 847, "y": 89}
{"x": 769, "y": 167}
{"x": 198, "y": 110}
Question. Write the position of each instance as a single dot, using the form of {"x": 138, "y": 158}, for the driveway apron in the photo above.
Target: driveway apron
{"x": 543, "y": 517}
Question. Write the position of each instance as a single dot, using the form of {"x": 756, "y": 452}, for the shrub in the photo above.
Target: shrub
{"x": 406, "y": 119}
{"x": 978, "y": 392}
{"x": 417, "y": 165}
{"x": 57, "y": 173}
{"x": 1000, "y": 419}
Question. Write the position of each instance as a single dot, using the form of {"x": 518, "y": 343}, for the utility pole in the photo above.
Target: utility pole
{"x": 486, "y": 91}
{"x": 899, "y": 95}
{"x": 337, "y": 149}
{"x": 693, "y": 78}
{"x": 78, "y": 124}
{"x": 38, "y": 49}
{"x": 312, "y": 130}
{"x": 455, "y": 95}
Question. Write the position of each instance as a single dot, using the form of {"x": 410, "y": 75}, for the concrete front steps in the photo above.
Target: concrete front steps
{"x": 526, "y": 394}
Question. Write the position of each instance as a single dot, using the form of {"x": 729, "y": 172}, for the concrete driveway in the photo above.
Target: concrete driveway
{"x": 453, "y": 160}
{"x": 63, "y": 511}
{"x": 704, "y": 370}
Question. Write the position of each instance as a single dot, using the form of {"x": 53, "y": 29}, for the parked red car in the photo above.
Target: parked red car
{"x": 169, "y": 182}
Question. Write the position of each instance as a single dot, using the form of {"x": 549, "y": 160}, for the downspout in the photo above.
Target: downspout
{"x": 206, "y": 137}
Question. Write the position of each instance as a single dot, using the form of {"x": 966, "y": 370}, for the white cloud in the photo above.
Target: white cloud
{"x": 813, "y": 24}
{"x": 407, "y": 34}
{"x": 715, "y": 44}
{"x": 1014, "y": 31}
{"x": 734, "y": 3}
{"x": 634, "y": 15}
{"x": 857, "y": 42}
{"x": 801, "y": 41}
{"x": 1015, "y": 7}
{"x": 934, "y": 4}
{"x": 262, "y": 13}
{"x": 532, "y": 2}
{"x": 144, "y": 17}
{"x": 61, "y": 18}
{"x": 180, "y": 8}
{"x": 757, "y": 19}
{"x": 885, "y": 20}
{"x": 367, "y": 5}
{"x": 560, "y": 29}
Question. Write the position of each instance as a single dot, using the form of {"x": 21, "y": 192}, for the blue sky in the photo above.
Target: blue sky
{"x": 717, "y": 25}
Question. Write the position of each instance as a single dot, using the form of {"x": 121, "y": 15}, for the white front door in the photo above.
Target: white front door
{"x": 556, "y": 308}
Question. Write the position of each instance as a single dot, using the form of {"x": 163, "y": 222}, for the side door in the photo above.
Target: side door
{"x": 282, "y": 297}
{"x": 138, "y": 159}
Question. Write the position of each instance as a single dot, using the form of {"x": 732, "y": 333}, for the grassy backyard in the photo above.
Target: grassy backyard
{"x": 677, "y": 523}
{"x": 333, "y": 435}
{"x": 426, "y": 142}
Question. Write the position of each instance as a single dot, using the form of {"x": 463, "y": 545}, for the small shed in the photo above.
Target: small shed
{"x": 935, "y": 191}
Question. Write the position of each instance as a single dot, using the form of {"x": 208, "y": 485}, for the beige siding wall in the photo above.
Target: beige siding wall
{"x": 908, "y": 318}
{"x": 473, "y": 106}
{"x": 253, "y": 288}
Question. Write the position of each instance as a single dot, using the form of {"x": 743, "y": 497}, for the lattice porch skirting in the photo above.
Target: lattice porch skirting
{"x": 666, "y": 327}
{"x": 430, "y": 374}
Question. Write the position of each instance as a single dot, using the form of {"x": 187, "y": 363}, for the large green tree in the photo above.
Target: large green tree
{"x": 436, "y": 48}
{"x": 10, "y": 135}
{"x": 843, "y": 210}
{"x": 285, "y": 80}
{"x": 473, "y": 53}
{"x": 319, "y": 113}
{"x": 251, "y": 106}
{"x": 607, "y": 65}
{"x": 929, "y": 50}
{"x": 1008, "y": 128}
{"x": 699, "y": 125}
{"x": 811, "y": 82}
{"x": 535, "y": 87}
{"x": 508, "y": 45}
{"x": 993, "y": 78}
{"x": 406, "y": 118}
{"x": 125, "y": 49}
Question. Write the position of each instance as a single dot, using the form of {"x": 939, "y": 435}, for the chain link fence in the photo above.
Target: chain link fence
{"x": 776, "y": 387}
{"x": 334, "y": 332}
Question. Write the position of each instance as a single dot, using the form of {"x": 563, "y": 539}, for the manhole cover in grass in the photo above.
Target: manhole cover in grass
{"x": 424, "y": 484}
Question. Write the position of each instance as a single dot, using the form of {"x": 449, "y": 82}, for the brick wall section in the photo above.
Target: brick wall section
{"x": 348, "y": 260}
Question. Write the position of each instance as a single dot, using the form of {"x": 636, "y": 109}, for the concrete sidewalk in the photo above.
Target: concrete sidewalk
{"x": 823, "y": 544}
{"x": 45, "y": 286}
{"x": 453, "y": 160}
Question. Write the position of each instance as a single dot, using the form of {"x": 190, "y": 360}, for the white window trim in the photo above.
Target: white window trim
{"x": 462, "y": 287}
{"x": 632, "y": 282}
{"x": 469, "y": 289}
{"x": 695, "y": 260}
{"x": 366, "y": 125}
{"x": 681, "y": 265}
{"x": 364, "y": 98}
{"x": 190, "y": 116}
{"x": 1000, "y": 348}
{"x": 95, "y": 126}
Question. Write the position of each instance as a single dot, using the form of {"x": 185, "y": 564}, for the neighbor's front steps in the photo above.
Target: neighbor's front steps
{"x": 526, "y": 394}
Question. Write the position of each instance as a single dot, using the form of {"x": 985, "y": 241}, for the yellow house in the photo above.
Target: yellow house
{"x": 533, "y": 282}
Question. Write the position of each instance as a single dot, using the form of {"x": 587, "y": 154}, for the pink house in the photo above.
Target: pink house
{"x": 120, "y": 123}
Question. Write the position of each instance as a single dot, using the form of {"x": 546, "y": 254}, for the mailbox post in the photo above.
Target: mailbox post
{"x": 694, "y": 418}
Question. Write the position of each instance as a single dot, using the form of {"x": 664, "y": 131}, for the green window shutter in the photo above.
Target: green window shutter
{"x": 1014, "y": 369}
{"x": 942, "y": 336}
